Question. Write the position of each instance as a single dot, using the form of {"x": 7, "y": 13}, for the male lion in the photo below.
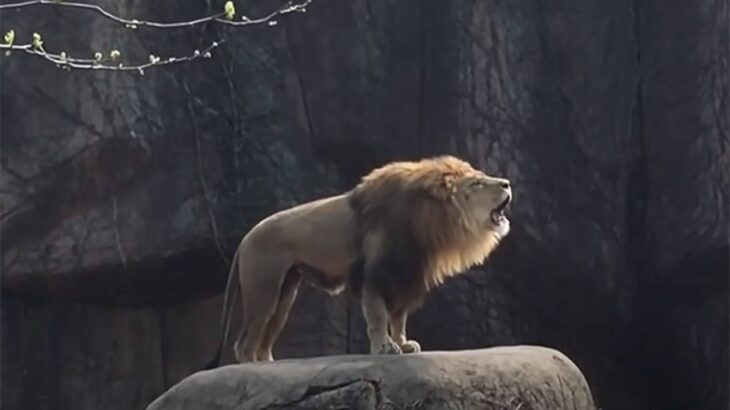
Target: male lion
{"x": 400, "y": 232}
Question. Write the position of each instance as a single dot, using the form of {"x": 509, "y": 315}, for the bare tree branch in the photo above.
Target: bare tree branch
{"x": 64, "y": 61}
{"x": 287, "y": 8}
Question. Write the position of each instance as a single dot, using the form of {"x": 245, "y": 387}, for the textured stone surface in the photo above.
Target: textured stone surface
{"x": 121, "y": 194}
{"x": 499, "y": 378}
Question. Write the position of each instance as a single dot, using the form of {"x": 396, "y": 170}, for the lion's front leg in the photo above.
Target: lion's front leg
{"x": 398, "y": 332}
{"x": 376, "y": 317}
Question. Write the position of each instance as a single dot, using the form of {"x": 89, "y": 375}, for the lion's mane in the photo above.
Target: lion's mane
{"x": 413, "y": 224}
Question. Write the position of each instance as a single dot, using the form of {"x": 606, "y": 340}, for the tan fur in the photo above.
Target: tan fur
{"x": 424, "y": 220}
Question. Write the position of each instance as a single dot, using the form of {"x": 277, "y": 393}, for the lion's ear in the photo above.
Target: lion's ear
{"x": 446, "y": 187}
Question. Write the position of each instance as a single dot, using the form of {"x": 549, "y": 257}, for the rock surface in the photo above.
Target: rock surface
{"x": 500, "y": 378}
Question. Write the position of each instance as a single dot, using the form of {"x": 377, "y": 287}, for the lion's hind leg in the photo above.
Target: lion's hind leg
{"x": 262, "y": 277}
{"x": 248, "y": 343}
{"x": 287, "y": 295}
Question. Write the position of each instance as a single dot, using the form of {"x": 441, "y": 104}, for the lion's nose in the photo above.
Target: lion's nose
{"x": 504, "y": 184}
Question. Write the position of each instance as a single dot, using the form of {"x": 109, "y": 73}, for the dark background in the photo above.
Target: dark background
{"x": 124, "y": 195}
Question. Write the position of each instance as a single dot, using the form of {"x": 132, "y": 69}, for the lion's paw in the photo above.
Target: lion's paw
{"x": 389, "y": 347}
{"x": 410, "y": 346}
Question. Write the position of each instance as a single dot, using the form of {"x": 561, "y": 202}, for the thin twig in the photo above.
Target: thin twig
{"x": 93, "y": 64}
{"x": 201, "y": 172}
{"x": 117, "y": 235}
{"x": 134, "y": 23}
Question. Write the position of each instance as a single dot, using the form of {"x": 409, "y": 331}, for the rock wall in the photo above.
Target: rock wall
{"x": 124, "y": 195}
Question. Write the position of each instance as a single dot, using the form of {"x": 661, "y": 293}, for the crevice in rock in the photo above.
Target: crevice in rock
{"x": 302, "y": 88}
{"x": 93, "y": 175}
{"x": 155, "y": 281}
{"x": 637, "y": 184}
{"x": 163, "y": 350}
{"x": 352, "y": 158}
{"x": 422, "y": 83}
{"x": 309, "y": 398}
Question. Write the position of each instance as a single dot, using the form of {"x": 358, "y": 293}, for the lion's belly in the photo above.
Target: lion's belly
{"x": 332, "y": 258}
{"x": 321, "y": 236}
{"x": 325, "y": 264}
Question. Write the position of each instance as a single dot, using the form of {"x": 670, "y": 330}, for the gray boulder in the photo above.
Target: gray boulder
{"x": 510, "y": 377}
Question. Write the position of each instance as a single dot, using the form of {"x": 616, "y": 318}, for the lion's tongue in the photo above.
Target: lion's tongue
{"x": 497, "y": 217}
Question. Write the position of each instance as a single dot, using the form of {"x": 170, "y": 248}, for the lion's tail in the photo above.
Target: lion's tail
{"x": 228, "y": 301}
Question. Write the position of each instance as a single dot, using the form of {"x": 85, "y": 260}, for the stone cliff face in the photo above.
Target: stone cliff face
{"x": 124, "y": 195}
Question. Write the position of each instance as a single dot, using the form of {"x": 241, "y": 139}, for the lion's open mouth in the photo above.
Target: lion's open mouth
{"x": 498, "y": 216}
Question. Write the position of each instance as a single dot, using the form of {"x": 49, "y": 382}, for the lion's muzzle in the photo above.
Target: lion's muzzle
{"x": 498, "y": 214}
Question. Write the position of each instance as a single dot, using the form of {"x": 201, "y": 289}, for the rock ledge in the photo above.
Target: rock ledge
{"x": 498, "y": 378}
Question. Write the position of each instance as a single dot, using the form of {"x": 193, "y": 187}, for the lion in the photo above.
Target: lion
{"x": 401, "y": 231}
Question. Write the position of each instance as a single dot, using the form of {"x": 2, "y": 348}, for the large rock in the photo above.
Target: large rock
{"x": 500, "y": 378}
